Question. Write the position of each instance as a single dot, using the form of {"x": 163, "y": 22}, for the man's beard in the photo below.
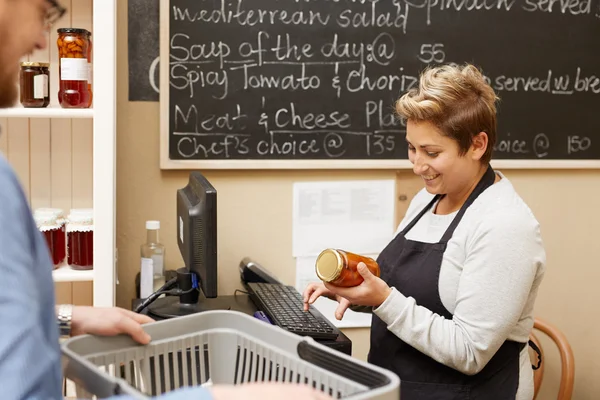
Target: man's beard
{"x": 8, "y": 89}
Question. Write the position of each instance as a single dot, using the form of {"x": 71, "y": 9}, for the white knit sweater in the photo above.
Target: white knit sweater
{"x": 489, "y": 278}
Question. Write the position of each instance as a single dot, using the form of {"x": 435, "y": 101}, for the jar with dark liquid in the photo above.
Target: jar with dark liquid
{"x": 80, "y": 239}
{"x": 74, "y": 71}
{"x": 338, "y": 267}
{"x": 50, "y": 221}
{"x": 34, "y": 79}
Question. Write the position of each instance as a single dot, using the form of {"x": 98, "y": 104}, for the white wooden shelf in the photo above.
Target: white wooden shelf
{"x": 80, "y": 143}
{"x": 67, "y": 274}
{"x": 48, "y": 112}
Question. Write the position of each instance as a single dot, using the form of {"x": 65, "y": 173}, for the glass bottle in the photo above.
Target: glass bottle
{"x": 34, "y": 79}
{"x": 338, "y": 267}
{"x": 152, "y": 275}
{"x": 80, "y": 239}
{"x": 73, "y": 51}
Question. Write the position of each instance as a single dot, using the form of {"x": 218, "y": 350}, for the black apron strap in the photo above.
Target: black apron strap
{"x": 486, "y": 181}
{"x": 539, "y": 354}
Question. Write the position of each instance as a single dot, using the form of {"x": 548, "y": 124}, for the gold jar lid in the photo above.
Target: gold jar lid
{"x": 329, "y": 265}
{"x": 34, "y": 64}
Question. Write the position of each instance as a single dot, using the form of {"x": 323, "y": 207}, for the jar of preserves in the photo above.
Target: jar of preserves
{"x": 34, "y": 79}
{"x": 51, "y": 222}
{"x": 74, "y": 71}
{"x": 90, "y": 68}
{"x": 338, "y": 267}
{"x": 80, "y": 238}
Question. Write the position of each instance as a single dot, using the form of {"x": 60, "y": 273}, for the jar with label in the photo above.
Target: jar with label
{"x": 74, "y": 70}
{"x": 339, "y": 267}
{"x": 80, "y": 238}
{"x": 34, "y": 79}
{"x": 90, "y": 68}
{"x": 51, "y": 222}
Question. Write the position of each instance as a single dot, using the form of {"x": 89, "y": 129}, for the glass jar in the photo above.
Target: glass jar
{"x": 80, "y": 238}
{"x": 90, "y": 68}
{"x": 338, "y": 267}
{"x": 34, "y": 79}
{"x": 74, "y": 71}
{"x": 51, "y": 222}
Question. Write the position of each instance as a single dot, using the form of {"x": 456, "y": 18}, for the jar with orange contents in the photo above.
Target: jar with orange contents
{"x": 74, "y": 57}
{"x": 90, "y": 68}
{"x": 339, "y": 267}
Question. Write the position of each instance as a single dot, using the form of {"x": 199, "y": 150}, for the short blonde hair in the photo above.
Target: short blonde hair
{"x": 457, "y": 100}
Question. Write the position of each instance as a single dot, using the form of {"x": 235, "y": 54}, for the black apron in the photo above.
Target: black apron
{"x": 414, "y": 269}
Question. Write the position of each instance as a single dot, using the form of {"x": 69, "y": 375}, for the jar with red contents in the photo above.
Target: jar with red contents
{"x": 80, "y": 238}
{"x": 51, "y": 222}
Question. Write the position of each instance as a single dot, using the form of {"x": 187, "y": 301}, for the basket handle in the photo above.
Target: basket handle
{"x": 343, "y": 366}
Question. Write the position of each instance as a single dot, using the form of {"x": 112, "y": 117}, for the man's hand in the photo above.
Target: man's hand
{"x": 109, "y": 321}
{"x": 268, "y": 391}
{"x": 371, "y": 292}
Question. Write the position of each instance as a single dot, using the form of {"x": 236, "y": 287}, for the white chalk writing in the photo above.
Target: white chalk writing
{"x": 318, "y": 78}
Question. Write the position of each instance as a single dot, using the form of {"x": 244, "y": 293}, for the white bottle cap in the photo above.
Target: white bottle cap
{"x": 153, "y": 225}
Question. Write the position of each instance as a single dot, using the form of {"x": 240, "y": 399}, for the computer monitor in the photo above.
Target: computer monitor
{"x": 197, "y": 230}
{"x": 197, "y": 241}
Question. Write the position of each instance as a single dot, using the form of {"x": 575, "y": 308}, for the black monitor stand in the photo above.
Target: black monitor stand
{"x": 188, "y": 303}
{"x": 172, "y": 307}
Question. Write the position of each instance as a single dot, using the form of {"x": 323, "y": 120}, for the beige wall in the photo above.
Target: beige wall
{"x": 254, "y": 218}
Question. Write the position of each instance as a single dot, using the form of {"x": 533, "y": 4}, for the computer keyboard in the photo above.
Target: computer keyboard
{"x": 283, "y": 305}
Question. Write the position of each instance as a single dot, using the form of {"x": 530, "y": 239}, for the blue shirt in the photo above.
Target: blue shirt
{"x": 30, "y": 366}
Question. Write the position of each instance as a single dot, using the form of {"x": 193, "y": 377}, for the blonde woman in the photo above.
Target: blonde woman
{"x": 453, "y": 309}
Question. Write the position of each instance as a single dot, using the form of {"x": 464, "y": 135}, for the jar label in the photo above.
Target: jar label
{"x": 74, "y": 69}
{"x": 40, "y": 86}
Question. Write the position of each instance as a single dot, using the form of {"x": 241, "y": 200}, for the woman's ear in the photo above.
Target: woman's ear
{"x": 479, "y": 145}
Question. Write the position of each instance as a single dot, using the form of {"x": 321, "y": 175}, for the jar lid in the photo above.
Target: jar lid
{"x": 47, "y": 218}
{"x": 80, "y": 220}
{"x": 73, "y": 30}
{"x": 43, "y": 219}
{"x": 34, "y": 64}
{"x": 329, "y": 265}
{"x": 81, "y": 216}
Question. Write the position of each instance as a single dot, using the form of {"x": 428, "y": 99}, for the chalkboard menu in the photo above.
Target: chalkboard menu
{"x": 297, "y": 80}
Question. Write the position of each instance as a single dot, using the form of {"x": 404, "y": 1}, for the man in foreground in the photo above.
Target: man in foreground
{"x": 30, "y": 365}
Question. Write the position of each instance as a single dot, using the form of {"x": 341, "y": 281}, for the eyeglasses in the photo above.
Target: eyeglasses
{"x": 55, "y": 12}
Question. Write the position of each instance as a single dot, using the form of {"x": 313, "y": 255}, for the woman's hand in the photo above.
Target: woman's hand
{"x": 314, "y": 290}
{"x": 109, "y": 321}
{"x": 371, "y": 292}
